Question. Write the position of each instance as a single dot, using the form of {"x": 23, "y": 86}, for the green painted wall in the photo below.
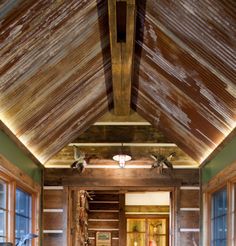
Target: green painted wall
{"x": 222, "y": 160}
{"x": 16, "y": 156}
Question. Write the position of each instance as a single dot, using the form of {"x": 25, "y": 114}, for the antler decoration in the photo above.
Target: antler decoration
{"x": 80, "y": 161}
{"x": 160, "y": 161}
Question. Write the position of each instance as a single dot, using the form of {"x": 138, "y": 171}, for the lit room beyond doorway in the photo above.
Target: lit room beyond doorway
{"x": 147, "y": 218}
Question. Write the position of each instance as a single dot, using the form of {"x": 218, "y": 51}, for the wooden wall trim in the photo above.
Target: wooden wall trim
{"x": 17, "y": 174}
{"x": 118, "y": 178}
{"x": 122, "y": 221}
{"x": 221, "y": 178}
{"x": 16, "y": 178}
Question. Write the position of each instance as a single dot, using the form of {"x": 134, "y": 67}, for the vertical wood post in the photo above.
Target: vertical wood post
{"x": 122, "y": 221}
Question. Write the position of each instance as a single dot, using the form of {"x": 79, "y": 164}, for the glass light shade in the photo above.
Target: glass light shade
{"x": 122, "y": 159}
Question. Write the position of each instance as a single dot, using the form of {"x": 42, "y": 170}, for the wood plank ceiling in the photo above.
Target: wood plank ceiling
{"x": 56, "y": 71}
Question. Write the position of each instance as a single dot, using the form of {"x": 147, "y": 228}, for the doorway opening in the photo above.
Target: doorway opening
{"x": 121, "y": 218}
{"x": 147, "y": 218}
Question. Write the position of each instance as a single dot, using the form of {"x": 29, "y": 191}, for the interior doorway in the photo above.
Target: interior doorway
{"x": 147, "y": 218}
{"x": 120, "y": 218}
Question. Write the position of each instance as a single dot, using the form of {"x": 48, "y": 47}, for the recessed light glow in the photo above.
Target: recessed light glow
{"x": 22, "y": 139}
{"x": 210, "y": 151}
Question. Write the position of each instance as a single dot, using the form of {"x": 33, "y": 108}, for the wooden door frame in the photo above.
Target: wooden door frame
{"x": 173, "y": 230}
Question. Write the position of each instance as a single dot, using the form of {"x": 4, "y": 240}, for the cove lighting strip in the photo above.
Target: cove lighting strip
{"x": 117, "y": 167}
{"x": 124, "y": 144}
{"x": 121, "y": 123}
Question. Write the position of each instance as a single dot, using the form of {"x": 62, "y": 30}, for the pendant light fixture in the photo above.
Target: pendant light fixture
{"x": 121, "y": 158}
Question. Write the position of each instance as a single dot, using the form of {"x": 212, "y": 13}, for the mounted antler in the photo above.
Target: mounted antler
{"x": 161, "y": 161}
{"x": 80, "y": 160}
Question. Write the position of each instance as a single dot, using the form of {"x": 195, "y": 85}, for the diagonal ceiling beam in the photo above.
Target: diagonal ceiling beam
{"x": 122, "y": 33}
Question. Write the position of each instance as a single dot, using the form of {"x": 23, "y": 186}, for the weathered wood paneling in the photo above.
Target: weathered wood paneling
{"x": 59, "y": 79}
{"x": 53, "y": 217}
{"x": 104, "y": 206}
{"x": 56, "y": 82}
{"x": 105, "y": 210}
{"x": 103, "y": 155}
{"x": 189, "y": 238}
{"x": 107, "y": 215}
{"x": 189, "y": 198}
{"x": 53, "y": 239}
{"x": 53, "y": 221}
{"x": 178, "y": 86}
{"x": 104, "y": 215}
{"x": 53, "y": 199}
{"x": 189, "y": 219}
{"x": 111, "y": 178}
{"x": 188, "y": 215}
{"x": 122, "y": 134}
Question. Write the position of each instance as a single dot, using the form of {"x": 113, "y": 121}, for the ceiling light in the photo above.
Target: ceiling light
{"x": 122, "y": 159}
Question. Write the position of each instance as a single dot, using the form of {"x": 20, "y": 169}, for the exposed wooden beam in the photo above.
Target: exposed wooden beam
{"x": 122, "y": 134}
{"x": 121, "y": 178}
{"x": 122, "y": 56}
{"x": 132, "y": 119}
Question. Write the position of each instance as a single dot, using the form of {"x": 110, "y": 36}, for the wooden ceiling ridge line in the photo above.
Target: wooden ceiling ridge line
{"x": 190, "y": 51}
{"x": 122, "y": 53}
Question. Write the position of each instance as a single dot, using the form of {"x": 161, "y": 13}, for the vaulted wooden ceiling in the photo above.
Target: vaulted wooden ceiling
{"x": 56, "y": 70}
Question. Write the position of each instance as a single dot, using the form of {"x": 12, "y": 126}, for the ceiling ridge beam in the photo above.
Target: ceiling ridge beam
{"x": 122, "y": 52}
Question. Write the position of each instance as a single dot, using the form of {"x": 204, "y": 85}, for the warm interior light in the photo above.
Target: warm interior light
{"x": 122, "y": 159}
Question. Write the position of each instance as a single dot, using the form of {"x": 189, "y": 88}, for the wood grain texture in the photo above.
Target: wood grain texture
{"x": 121, "y": 178}
{"x": 122, "y": 220}
{"x": 121, "y": 134}
{"x": 59, "y": 79}
{"x": 52, "y": 240}
{"x": 122, "y": 56}
{"x": 103, "y": 155}
{"x": 189, "y": 199}
{"x": 188, "y": 238}
{"x": 189, "y": 219}
{"x": 57, "y": 64}
{"x": 177, "y": 86}
{"x": 53, "y": 199}
{"x": 109, "y": 221}
{"x": 53, "y": 221}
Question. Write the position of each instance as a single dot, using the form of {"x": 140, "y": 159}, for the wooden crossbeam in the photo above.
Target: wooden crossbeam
{"x": 122, "y": 56}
